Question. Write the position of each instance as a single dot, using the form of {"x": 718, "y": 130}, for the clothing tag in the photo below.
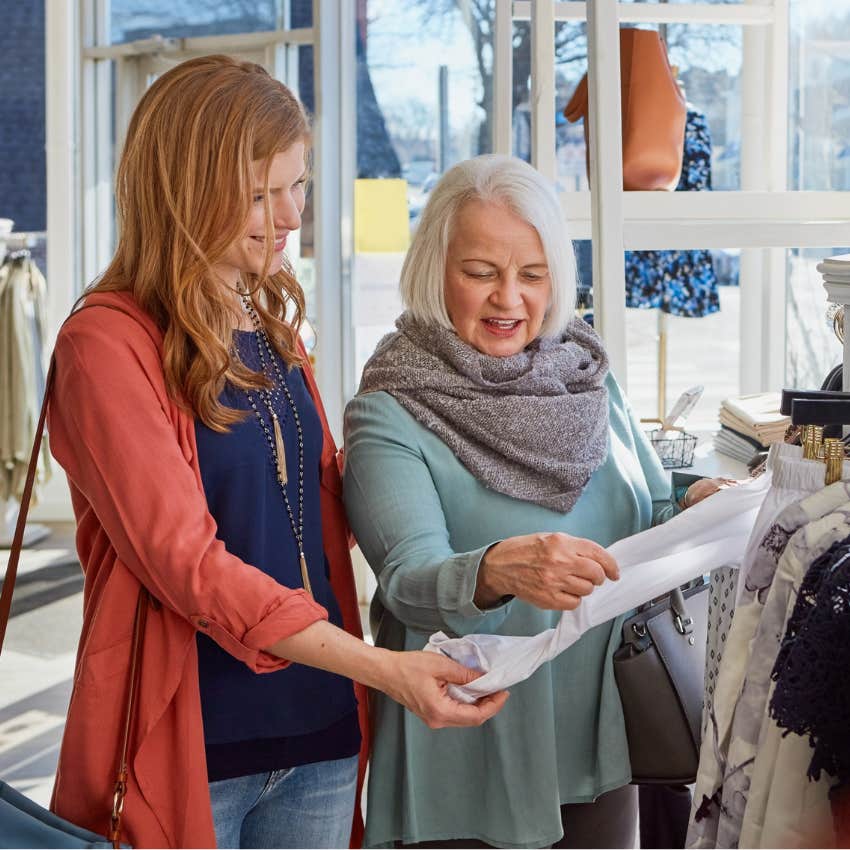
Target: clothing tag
{"x": 682, "y": 409}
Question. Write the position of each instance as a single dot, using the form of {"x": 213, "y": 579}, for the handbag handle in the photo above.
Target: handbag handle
{"x": 120, "y": 790}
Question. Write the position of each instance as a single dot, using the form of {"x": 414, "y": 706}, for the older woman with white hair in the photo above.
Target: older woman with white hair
{"x": 490, "y": 458}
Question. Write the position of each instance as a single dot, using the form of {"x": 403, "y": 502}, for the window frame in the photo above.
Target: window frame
{"x": 767, "y": 217}
{"x": 763, "y": 218}
{"x": 80, "y": 116}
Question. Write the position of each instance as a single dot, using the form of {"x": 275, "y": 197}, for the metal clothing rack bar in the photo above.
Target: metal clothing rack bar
{"x": 18, "y": 241}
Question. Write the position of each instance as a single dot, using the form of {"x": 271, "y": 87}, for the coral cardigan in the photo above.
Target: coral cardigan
{"x": 130, "y": 455}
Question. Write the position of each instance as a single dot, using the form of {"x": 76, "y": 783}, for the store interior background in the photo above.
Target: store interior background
{"x": 424, "y": 100}
{"x": 413, "y": 94}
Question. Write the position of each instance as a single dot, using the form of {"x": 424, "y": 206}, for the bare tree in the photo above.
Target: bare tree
{"x": 570, "y": 48}
{"x": 479, "y": 17}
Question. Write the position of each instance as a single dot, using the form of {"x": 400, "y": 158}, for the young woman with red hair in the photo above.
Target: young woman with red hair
{"x": 202, "y": 469}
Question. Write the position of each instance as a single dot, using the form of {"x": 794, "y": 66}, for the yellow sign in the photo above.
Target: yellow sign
{"x": 381, "y": 221}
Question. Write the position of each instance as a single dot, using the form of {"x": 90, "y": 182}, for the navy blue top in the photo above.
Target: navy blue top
{"x": 260, "y": 722}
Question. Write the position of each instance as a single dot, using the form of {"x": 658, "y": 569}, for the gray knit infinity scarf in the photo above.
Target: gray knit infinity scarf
{"x": 533, "y": 426}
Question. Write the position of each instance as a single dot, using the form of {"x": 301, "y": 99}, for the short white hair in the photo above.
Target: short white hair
{"x": 499, "y": 179}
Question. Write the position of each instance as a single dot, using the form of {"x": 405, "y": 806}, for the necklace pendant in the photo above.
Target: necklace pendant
{"x": 305, "y": 576}
{"x": 279, "y": 450}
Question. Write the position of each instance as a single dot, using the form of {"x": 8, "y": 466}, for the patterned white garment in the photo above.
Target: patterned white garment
{"x": 708, "y": 535}
{"x": 751, "y": 743}
{"x": 792, "y": 479}
{"x": 728, "y": 750}
{"x": 721, "y": 608}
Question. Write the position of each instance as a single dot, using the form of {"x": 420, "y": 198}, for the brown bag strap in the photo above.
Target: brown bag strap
{"x": 18, "y": 538}
{"x": 141, "y": 605}
{"x": 120, "y": 791}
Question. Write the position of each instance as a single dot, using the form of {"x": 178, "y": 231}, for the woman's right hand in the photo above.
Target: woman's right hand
{"x": 552, "y": 571}
{"x": 420, "y": 680}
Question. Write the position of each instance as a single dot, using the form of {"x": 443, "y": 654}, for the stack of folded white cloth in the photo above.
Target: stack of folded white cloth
{"x": 729, "y": 442}
{"x": 836, "y": 269}
{"x": 749, "y": 424}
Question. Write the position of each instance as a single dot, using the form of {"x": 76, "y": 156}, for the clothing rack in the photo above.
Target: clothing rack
{"x": 14, "y": 246}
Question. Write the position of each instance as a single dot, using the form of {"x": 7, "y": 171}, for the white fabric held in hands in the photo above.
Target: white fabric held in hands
{"x": 711, "y": 534}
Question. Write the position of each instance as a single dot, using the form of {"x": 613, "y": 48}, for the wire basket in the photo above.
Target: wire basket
{"x": 673, "y": 452}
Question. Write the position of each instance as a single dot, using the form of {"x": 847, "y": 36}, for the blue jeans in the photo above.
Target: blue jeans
{"x": 306, "y": 806}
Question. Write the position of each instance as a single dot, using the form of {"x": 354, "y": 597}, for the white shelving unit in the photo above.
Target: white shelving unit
{"x": 763, "y": 219}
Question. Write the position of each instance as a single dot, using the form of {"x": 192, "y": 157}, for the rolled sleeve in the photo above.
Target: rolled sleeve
{"x": 290, "y": 617}
{"x": 114, "y": 430}
{"x": 457, "y": 581}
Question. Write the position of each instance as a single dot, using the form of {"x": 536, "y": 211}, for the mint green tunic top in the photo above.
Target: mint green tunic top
{"x": 423, "y": 521}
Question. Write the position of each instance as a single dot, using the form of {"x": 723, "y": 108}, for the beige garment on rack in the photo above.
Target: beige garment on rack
{"x": 23, "y": 293}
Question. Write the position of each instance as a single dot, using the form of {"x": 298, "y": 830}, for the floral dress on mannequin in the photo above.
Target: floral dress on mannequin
{"x": 682, "y": 283}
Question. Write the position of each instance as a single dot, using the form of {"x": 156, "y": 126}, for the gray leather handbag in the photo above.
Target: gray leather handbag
{"x": 660, "y": 672}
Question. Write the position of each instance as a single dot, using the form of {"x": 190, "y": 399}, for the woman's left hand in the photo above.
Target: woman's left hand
{"x": 704, "y": 488}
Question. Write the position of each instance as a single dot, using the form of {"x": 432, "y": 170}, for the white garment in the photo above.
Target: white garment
{"x": 792, "y": 478}
{"x": 711, "y": 534}
{"x": 766, "y": 770}
{"x": 722, "y": 763}
{"x": 23, "y": 324}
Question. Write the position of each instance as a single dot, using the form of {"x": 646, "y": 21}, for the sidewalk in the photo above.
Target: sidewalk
{"x": 37, "y": 665}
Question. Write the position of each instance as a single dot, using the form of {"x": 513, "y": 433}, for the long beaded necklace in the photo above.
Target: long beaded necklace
{"x": 274, "y": 436}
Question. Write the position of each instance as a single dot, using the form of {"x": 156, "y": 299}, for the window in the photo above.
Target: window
{"x": 424, "y": 102}
{"x": 126, "y": 51}
{"x": 773, "y": 82}
{"x": 440, "y": 80}
{"x": 819, "y": 159}
{"x": 819, "y": 97}
{"x": 694, "y": 351}
{"x": 132, "y": 20}
{"x": 812, "y": 347}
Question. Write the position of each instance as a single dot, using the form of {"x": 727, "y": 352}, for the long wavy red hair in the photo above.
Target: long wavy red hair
{"x": 183, "y": 195}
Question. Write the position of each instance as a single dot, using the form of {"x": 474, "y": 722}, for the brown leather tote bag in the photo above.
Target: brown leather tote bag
{"x": 654, "y": 113}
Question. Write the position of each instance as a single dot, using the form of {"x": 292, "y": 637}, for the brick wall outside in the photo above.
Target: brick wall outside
{"x": 22, "y": 118}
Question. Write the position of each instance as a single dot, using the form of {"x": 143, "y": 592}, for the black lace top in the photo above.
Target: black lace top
{"x": 812, "y": 670}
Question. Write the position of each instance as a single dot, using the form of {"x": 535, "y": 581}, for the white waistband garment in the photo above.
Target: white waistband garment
{"x": 793, "y": 478}
{"x": 711, "y": 534}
